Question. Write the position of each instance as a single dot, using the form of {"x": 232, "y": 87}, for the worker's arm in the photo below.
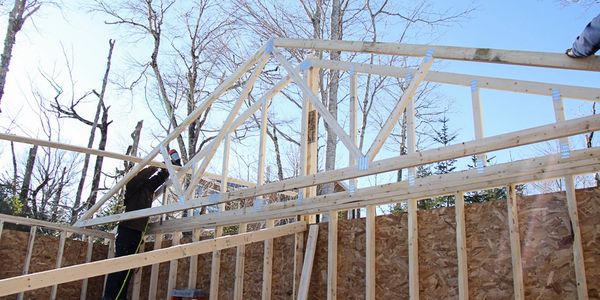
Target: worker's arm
{"x": 158, "y": 179}
{"x": 588, "y": 42}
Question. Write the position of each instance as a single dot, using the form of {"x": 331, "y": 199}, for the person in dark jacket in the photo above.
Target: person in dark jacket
{"x": 588, "y": 42}
{"x": 139, "y": 193}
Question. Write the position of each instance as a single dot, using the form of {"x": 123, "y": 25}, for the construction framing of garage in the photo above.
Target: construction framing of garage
{"x": 306, "y": 203}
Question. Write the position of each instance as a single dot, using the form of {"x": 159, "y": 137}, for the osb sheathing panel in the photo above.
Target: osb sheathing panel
{"x": 13, "y": 249}
{"x": 546, "y": 247}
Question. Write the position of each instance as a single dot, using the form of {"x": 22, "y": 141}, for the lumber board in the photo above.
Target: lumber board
{"x": 406, "y": 98}
{"x": 137, "y": 278}
{"x": 47, "y": 278}
{"x": 32, "y": 232}
{"x": 240, "y": 260}
{"x": 487, "y": 55}
{"x": 552, "y": 166}
{"x": 184, "y": 124}
{"x": 309, "y": 256}
{"x": 515, "y": 242}
{"x": 59, "y": 258}
{"x": 461, "y": 247}
{"x": 88, "y": 258}
{"x": 298, "y": 259}
{"x": 332, "y": 252}
{"x": 173, "y": 265}
{"x": 158, "y": 238}
{"x": 370, "y": 275}
{"x": 55, "y": 226}
{"x": 267, "y": 264}
{"x": 309, "y": 136}
{"x": 413, "y": 221}
{"x": 487, "y": 144}
{"x": 331, "y": 121}
{"x": 193, "y": 268}
{"x": 477, "y": 117}
{"x": 485, "y": 82}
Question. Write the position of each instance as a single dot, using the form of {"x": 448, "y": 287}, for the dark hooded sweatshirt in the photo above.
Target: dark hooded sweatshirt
{"x": 139, "y": 193}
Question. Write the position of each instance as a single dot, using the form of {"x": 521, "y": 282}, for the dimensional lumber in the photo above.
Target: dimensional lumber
{"x": 497, "y": 56}
{"x": 311, "y": 246}
{"x": 461, "y": 247}
{"x": 47, "y": 278}
{"x": 487, "y": 144}
{"x": 55, "y": 226}
{"x": 413, "y": 221}
{"x": 186, "y": 122}
{"x": 370, "y": 274}
{"x": 552, "y": 166}
{"x": 494, "y": 83}
{"x": 515, "y": 241}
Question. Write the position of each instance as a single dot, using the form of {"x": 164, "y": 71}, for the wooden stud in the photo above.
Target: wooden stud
{"x": 193, "y": 272}
{"x": 406, "y": 98}
{"x": 298, "y": 261}
{"x": 226, "y": 84}
{"x": 370, "y": 275}
{"x": 88, "y": 258}
{"x": 487, "y": 144}
{"x": 513, "y": 57}
{"x": 137, "y": 278}
{"x": 158, "y": 238}
{"x": 1, "y": 227}
{"x": 332, "y": 251}
{"x": 59, "y": 258}
{"x": 353, "y": 132}
{"x": 310, "y": 95}
{"x": 552, "y": 166}
{"x": 413, "y": 222}
{"x": 238, "y": 290}
{"x": 32, "y": 232}
{"x": 47, "y": 278}
{"x": 502, "y": 84}
{"x": 267, "y": 264}
{"x": 309, "y": 140}
{"x": 214, "y": 145}
{"x": 477, "y": 119}
{"x": 109, "y": 255}
{"x": 461, "y": 247}
{"x": 173, "y": 265}
{"x": 515, "y": 242}
{"x": 580, "y": 277}
{"x": 311, "y": 246}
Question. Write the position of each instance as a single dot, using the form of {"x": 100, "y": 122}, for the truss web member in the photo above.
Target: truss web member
{"x": 139, "y": 193}
{"x": 588, "y": 42}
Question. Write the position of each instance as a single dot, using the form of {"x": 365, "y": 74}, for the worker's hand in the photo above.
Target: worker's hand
{"x": 569, "y": 53}
{"x": 175, "y": 159}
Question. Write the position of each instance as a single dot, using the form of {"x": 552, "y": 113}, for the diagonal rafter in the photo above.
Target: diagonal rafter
{"x": 409, "y": 93}
{"x": 331, "y": 121}
{"x": 226, "y": 126}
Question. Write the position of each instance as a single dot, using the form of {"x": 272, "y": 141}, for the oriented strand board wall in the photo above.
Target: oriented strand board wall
{"x": 545, "y": 241}
{"x": 13, "y": 248}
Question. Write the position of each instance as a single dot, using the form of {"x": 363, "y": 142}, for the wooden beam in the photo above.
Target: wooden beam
{"x": 488, "y": 144}
{"x": 158, "y": 238}
{"x": 110, "y": 254}
{"x": 515, "y": 242}
{"x": 268, "y": 244}
{"x": 518, "y": 138}
{"x": 59, "y": 258}
{"x": 88, "y": 258}
{"x": 173, "y": 265}
{"x": 193, "y": 271}
{"x": 406, "y": 98}
{"x": 309, "y": 136}
{"x": 370, "y": 275}
{"x": 477, "y": 120}
{"x": 309, "y": 256}
{"x": 47, "y": 278}
{"x": 55, "y": 226}
{"x": 461, "y": 247}
{"x": 267, "y": 264}
{"x": 494, "y": 83}
{"x": 513, "y": 57}
{"x": 327, "y": 117}
{"x": 413, "y": 221}
{"x": 214, "y": 144}
{"x": 137, "y": 278}
{"x": 298, "y": 260}
{"x": 224, "y": 86}
{"x": 1, "y": 227}
{"x": 238, "y": 289}
{"x": 353, "y": 132}
{"x": 580, "y": 162}
{"x": 215, "y": 272}
{"x": 32, "y": 232}
{"x": 580, "y": 277}
{"x": 332, "y": 251}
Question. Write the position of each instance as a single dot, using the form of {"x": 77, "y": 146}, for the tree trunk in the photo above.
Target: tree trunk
{"x": 27, "y": 177}
{"x": 59, "y": 190}
{"x": 334, "y": 82}
{"x": 15, "y": 23}
{"x": 15, "y": 174}
{"x": 99, "y": 160}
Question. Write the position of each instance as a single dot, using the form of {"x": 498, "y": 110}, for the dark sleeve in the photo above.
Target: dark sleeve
{"x": 141, "y": 177}
{"x": 157, "y": 179}
{"x": 589, "y": 41}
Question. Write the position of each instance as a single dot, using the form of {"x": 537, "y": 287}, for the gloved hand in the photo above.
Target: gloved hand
{"x": 569, "y": 53}
{"x": 175, "y": 159}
